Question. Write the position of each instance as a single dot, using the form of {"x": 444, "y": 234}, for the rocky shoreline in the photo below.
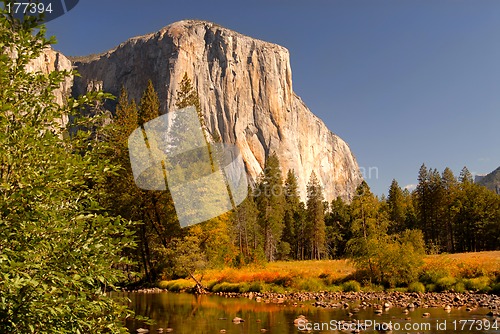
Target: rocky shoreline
{"x": 376, "y": 300}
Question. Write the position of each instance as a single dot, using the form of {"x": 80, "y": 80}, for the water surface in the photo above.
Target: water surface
{"x": 190, "y": 314}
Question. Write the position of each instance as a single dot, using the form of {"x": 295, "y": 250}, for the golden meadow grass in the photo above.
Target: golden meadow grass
{"x": 325, "y": 274}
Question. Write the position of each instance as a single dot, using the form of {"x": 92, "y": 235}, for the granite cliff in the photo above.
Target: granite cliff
{"x": 246, "y": 94}
{"x": 49, "y": 61}
{"x": 491, "y": 181}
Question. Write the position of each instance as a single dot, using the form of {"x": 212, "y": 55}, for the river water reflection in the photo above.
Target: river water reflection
{"x": 189, "y": 314}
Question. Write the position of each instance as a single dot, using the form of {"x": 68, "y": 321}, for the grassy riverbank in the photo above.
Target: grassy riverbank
{"x": 478, "y": 272}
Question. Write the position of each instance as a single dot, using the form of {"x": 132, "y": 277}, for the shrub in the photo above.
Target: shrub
{"x": 243, "y": 287}
{"x": 334, "y": 288}
{"x": 309, "y": 284}
{"x": 330, "y": 279}
{"x": 459, "y": 287}
{"x": 431, "y": 287}
{"x": 176, "y": 285}
{"x": 393, "y": 260}
{"x": 495, "y": 289}
{"x": 445, "y": 283}
{"x": 416, "y": 287}
{"x": 283, "y": 280}
{"x": 323, "y": 275}
{"x": 162, "y": 284}
{"x": 351, "y": 286}
{"x": 369, "y": 287}
{"x": 471, "y": 270}
{"x": 480, "y": 284}
{"x": 432, "y": 275}
{"x": 210, "y": 285}
{"x": 273, "y": 288}
{"x": 255, "y": 287}
{"x": 226, "y": 287}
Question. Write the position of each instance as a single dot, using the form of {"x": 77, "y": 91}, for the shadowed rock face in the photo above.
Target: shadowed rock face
{"x": 245, "y": 89}
{"x": 490, "y": 181}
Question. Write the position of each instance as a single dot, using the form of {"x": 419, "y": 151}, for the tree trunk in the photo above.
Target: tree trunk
{"x": 199, "y": 289}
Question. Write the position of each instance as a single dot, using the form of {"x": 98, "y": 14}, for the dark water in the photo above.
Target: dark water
{"x": 189, "y": 314}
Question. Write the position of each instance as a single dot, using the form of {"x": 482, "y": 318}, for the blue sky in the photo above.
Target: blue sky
{"x": 403, "y": 82}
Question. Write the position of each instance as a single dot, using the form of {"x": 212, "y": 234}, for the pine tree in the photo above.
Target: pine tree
{"x": 188, "y": 96}
{"x": 411, "y": 220}
{"x": 291, "y": 219}
{"x": 435, "y": 210}
{"x": 247, "y": 234}
{"x": 316, "y": 218}
{"x": 126, "y": 120}
{"x": 270, "y": 201}
{"x": 450, "y": 191}
{"x": 367, "y": 218}
{"x": 477, "y": 219}
{"x": 397, "y": 210}
{"x": 154, "y": 208}
{"x": 150, "y": 105}
{"x": 338, "y": 230}
{"x": 465, "y": 176}
{"x": 422, "y": 202}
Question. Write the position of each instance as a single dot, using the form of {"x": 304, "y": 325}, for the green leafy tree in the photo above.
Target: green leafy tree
{"x": 188, "y": 257}
{"x": 368, "y": 228}
{"x": 398, "y": 262}
{"x": 392, "y": 260}
{"x": 59, "y": 249}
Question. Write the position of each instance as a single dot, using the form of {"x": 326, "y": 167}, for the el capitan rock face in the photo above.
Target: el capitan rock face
{"x": 245, "y": 89}
{"x": 49, "y": 61}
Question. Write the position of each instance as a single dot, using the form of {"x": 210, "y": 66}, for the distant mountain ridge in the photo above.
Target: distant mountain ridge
{"x": 246, "y": 96}
{"x": 491, "y": 181}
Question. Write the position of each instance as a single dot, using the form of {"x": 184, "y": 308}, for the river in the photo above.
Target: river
{"x": 190, "y": 314}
